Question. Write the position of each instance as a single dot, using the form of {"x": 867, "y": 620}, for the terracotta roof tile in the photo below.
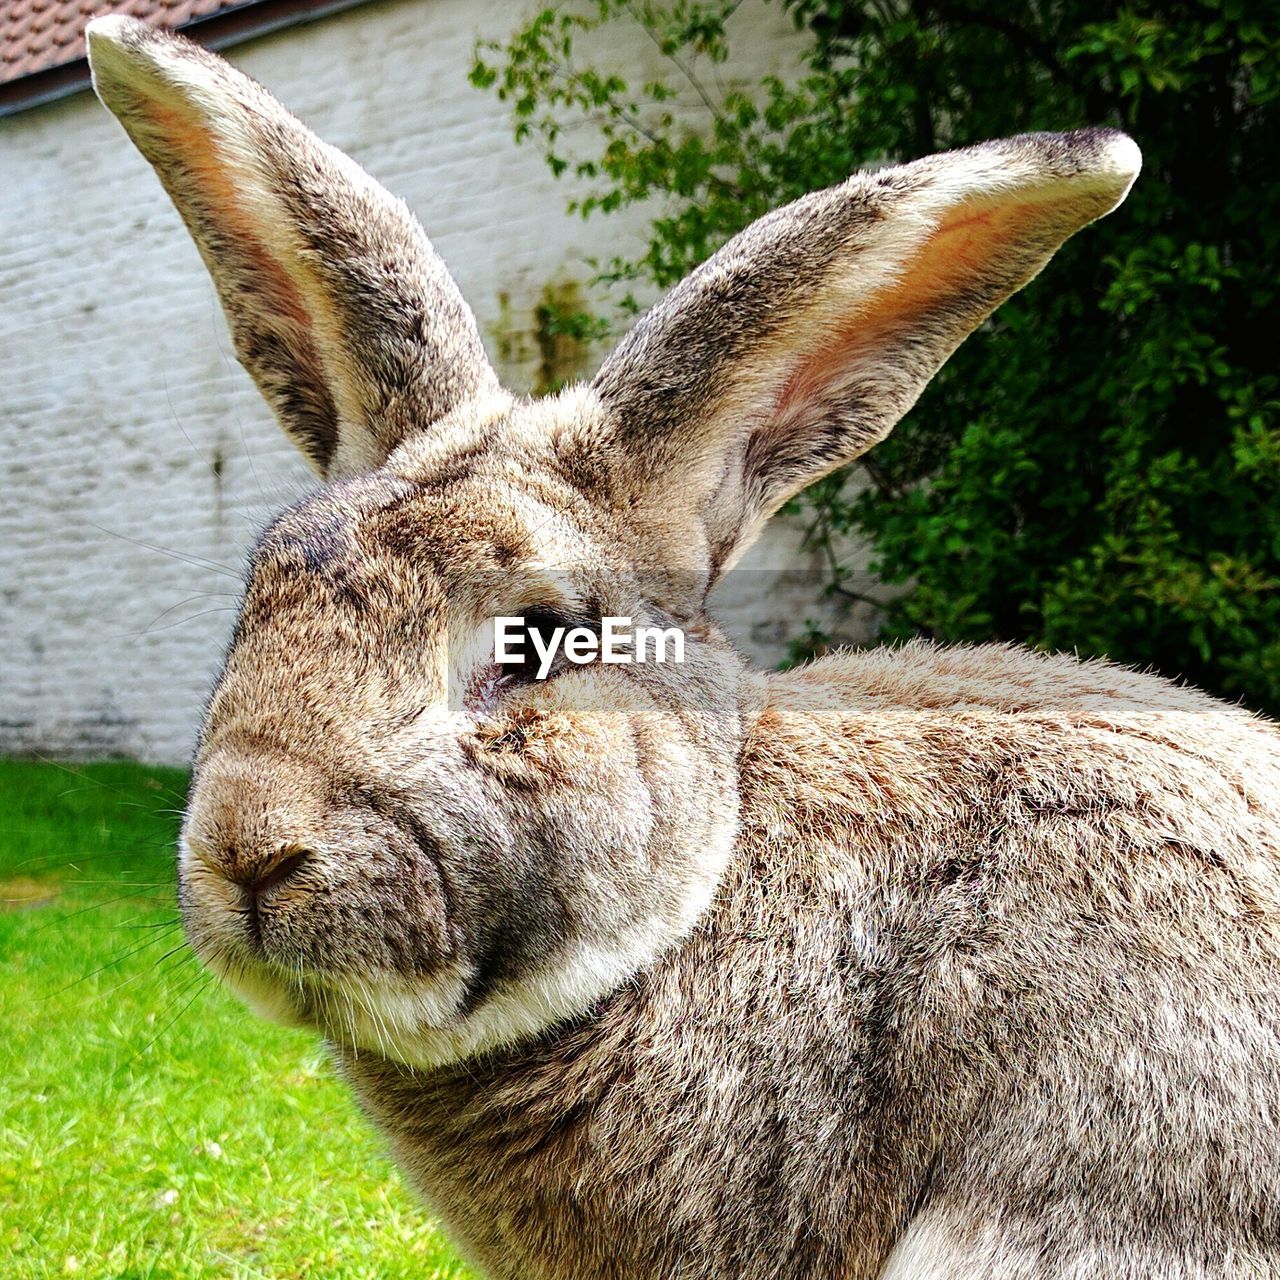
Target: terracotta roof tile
{"x": 38, "y": 34}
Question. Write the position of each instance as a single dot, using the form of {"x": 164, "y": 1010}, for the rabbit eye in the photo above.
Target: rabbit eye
{"x": 537, "y": 636}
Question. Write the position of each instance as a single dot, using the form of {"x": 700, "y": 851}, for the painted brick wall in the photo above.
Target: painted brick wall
{"x": 136, "y": 460}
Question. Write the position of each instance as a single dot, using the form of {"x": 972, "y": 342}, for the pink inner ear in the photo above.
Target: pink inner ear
{"x": 184, "y": 139}
{"x": 949, "y": 264}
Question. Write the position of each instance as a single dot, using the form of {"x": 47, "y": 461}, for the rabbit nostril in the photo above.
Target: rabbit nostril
{"x": 271, "y": 874}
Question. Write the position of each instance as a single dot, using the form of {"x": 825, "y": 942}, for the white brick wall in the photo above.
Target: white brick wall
{"x": 136, "y": 460}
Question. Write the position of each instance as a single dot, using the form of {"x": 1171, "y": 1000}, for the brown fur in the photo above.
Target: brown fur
{"x": 917, "y": 964}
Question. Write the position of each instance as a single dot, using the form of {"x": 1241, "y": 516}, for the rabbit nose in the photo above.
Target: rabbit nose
{"x": 260, "y": 879}
{"x": 254, "y": 819}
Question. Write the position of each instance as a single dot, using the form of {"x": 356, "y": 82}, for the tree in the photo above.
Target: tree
{"x": 1097, "y": 470}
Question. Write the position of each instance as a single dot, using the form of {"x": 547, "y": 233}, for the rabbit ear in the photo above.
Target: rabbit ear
{"x": 802, "y": 342}
{"x": 339, "y": 307}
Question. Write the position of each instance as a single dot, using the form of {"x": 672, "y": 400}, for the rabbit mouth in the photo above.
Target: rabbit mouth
{"x": 434, "y": 1020}
{"x": 384, "y": 1013}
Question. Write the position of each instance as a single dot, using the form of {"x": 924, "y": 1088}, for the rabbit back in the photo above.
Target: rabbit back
{"x": 992, "y": 982}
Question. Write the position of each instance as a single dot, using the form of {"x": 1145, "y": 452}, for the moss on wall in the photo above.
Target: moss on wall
{"x": 550, "y": 344}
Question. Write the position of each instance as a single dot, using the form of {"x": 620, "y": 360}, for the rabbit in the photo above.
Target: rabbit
{"x": 911, "y": 963}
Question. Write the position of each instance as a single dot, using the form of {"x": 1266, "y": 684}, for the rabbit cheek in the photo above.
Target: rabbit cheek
{"x": 526, "y": 747}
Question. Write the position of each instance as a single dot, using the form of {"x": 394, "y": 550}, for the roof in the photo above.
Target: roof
{"x": 38, "y": 34}
{"x": 42, "y": 51}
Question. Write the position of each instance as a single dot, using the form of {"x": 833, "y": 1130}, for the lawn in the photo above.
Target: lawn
{"x": 149, "y": 1125}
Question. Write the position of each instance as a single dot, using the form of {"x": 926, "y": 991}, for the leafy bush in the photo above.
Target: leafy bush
{"x": 1097, "y": 470}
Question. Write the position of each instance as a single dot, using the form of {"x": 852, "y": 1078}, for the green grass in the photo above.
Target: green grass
{"x": 149, "y": 1125}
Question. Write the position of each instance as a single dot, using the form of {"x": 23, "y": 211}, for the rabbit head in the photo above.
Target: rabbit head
{"x": 394, "y": 835}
